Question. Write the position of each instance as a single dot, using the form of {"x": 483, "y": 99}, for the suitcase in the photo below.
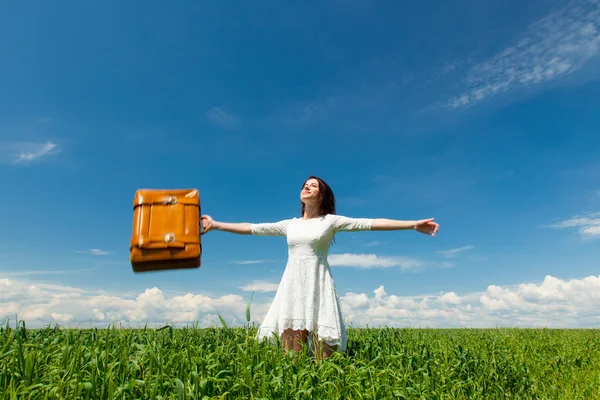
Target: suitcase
{"x": 166, "y": 230}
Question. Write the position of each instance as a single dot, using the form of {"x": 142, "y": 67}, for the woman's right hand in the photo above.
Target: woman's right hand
{"x": 207, "y": 222}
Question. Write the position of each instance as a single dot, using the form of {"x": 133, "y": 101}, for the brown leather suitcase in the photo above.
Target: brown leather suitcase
{"x": 166, "y": 230}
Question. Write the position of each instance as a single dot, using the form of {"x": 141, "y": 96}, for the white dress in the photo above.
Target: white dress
{"x": 307, "y": 297}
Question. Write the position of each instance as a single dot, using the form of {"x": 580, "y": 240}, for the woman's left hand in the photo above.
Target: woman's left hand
{"x": 427, "y": 226}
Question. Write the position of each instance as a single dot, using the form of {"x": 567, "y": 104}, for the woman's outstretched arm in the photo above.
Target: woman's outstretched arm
{"x": 242, "y": 228}
{"x": 384, "y": 224}
{"x": 343, "y": 223}
{"x": 426, "y": 226}
{"x": 246, "y": 228}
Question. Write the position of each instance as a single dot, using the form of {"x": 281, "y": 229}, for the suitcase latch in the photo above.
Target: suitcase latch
{"x": 171, "y": 200}
{"x": 169, "y": 237}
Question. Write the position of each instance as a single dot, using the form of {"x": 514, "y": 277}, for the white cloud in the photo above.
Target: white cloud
{"x": 40, "y": 304}
{"x": 260, "y": 286}
{"x": 454, "y": 252}
{"x": 589, "y": 225}
{"x": 61, "y": 317}
{"x": 219, "y": 116}
{"x": 356, "y": 301}
{"x": 553, "y": 303}
{"x": 24, "y": 153}
{"x": 371, "y": 261}
{"x": 550, "y": 303}
{"x": 557, "y": 45}
{"x": 449, "y": 298}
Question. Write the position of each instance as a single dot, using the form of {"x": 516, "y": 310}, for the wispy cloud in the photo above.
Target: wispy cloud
{"x": 260, "y": 286}
{"x": 589, "y": 225}
{"x": 372, "y": 261}
{"x": 505, "y": 175}
{"x": 94, "y": 252}
{"x": 220, "y": 117}
{"x": 25, "y": 153}
{"x": 555, "y": 46}
{"x": 46, "y": 272}
{"x": 310, "y": 112}
{"x": 454, "y": 252}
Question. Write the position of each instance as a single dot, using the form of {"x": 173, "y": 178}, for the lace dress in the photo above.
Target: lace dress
{"x": 307, "y": 297}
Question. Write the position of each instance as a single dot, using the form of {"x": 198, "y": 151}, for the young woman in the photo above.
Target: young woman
{"x": 306, "y": 301}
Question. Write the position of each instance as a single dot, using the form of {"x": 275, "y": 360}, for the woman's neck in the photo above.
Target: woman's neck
{"x": 310, "y": 212}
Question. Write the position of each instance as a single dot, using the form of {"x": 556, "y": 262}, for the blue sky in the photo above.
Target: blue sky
{"x": 484, "y": 116}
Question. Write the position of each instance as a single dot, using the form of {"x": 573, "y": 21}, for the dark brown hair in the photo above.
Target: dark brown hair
{"x": 326, "y": 197}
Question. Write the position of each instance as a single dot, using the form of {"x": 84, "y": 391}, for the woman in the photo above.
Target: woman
{"x": 306, "y": 300}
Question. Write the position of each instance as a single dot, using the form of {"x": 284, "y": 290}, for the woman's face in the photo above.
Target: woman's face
{"x": 310, "y": 191}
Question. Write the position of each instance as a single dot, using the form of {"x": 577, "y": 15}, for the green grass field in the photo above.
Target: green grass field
{"x": 228, "y": 363}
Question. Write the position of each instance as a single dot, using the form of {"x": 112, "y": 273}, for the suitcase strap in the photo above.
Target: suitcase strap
{"x": 169, "y": 240}
{"x": 165, "y": 199}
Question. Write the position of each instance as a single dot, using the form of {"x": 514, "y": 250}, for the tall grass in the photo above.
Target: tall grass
{"x": 228, "y": 363}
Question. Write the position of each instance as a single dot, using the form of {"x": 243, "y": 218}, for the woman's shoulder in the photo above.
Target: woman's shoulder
{"x": 333, "y": 216}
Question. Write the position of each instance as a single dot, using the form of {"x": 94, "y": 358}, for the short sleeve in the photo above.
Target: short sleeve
{"x": 270, "y": 228}
{"x": 341, "y": 223}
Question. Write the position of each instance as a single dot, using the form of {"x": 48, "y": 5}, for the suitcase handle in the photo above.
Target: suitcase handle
{"x": 205, "y": 230}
